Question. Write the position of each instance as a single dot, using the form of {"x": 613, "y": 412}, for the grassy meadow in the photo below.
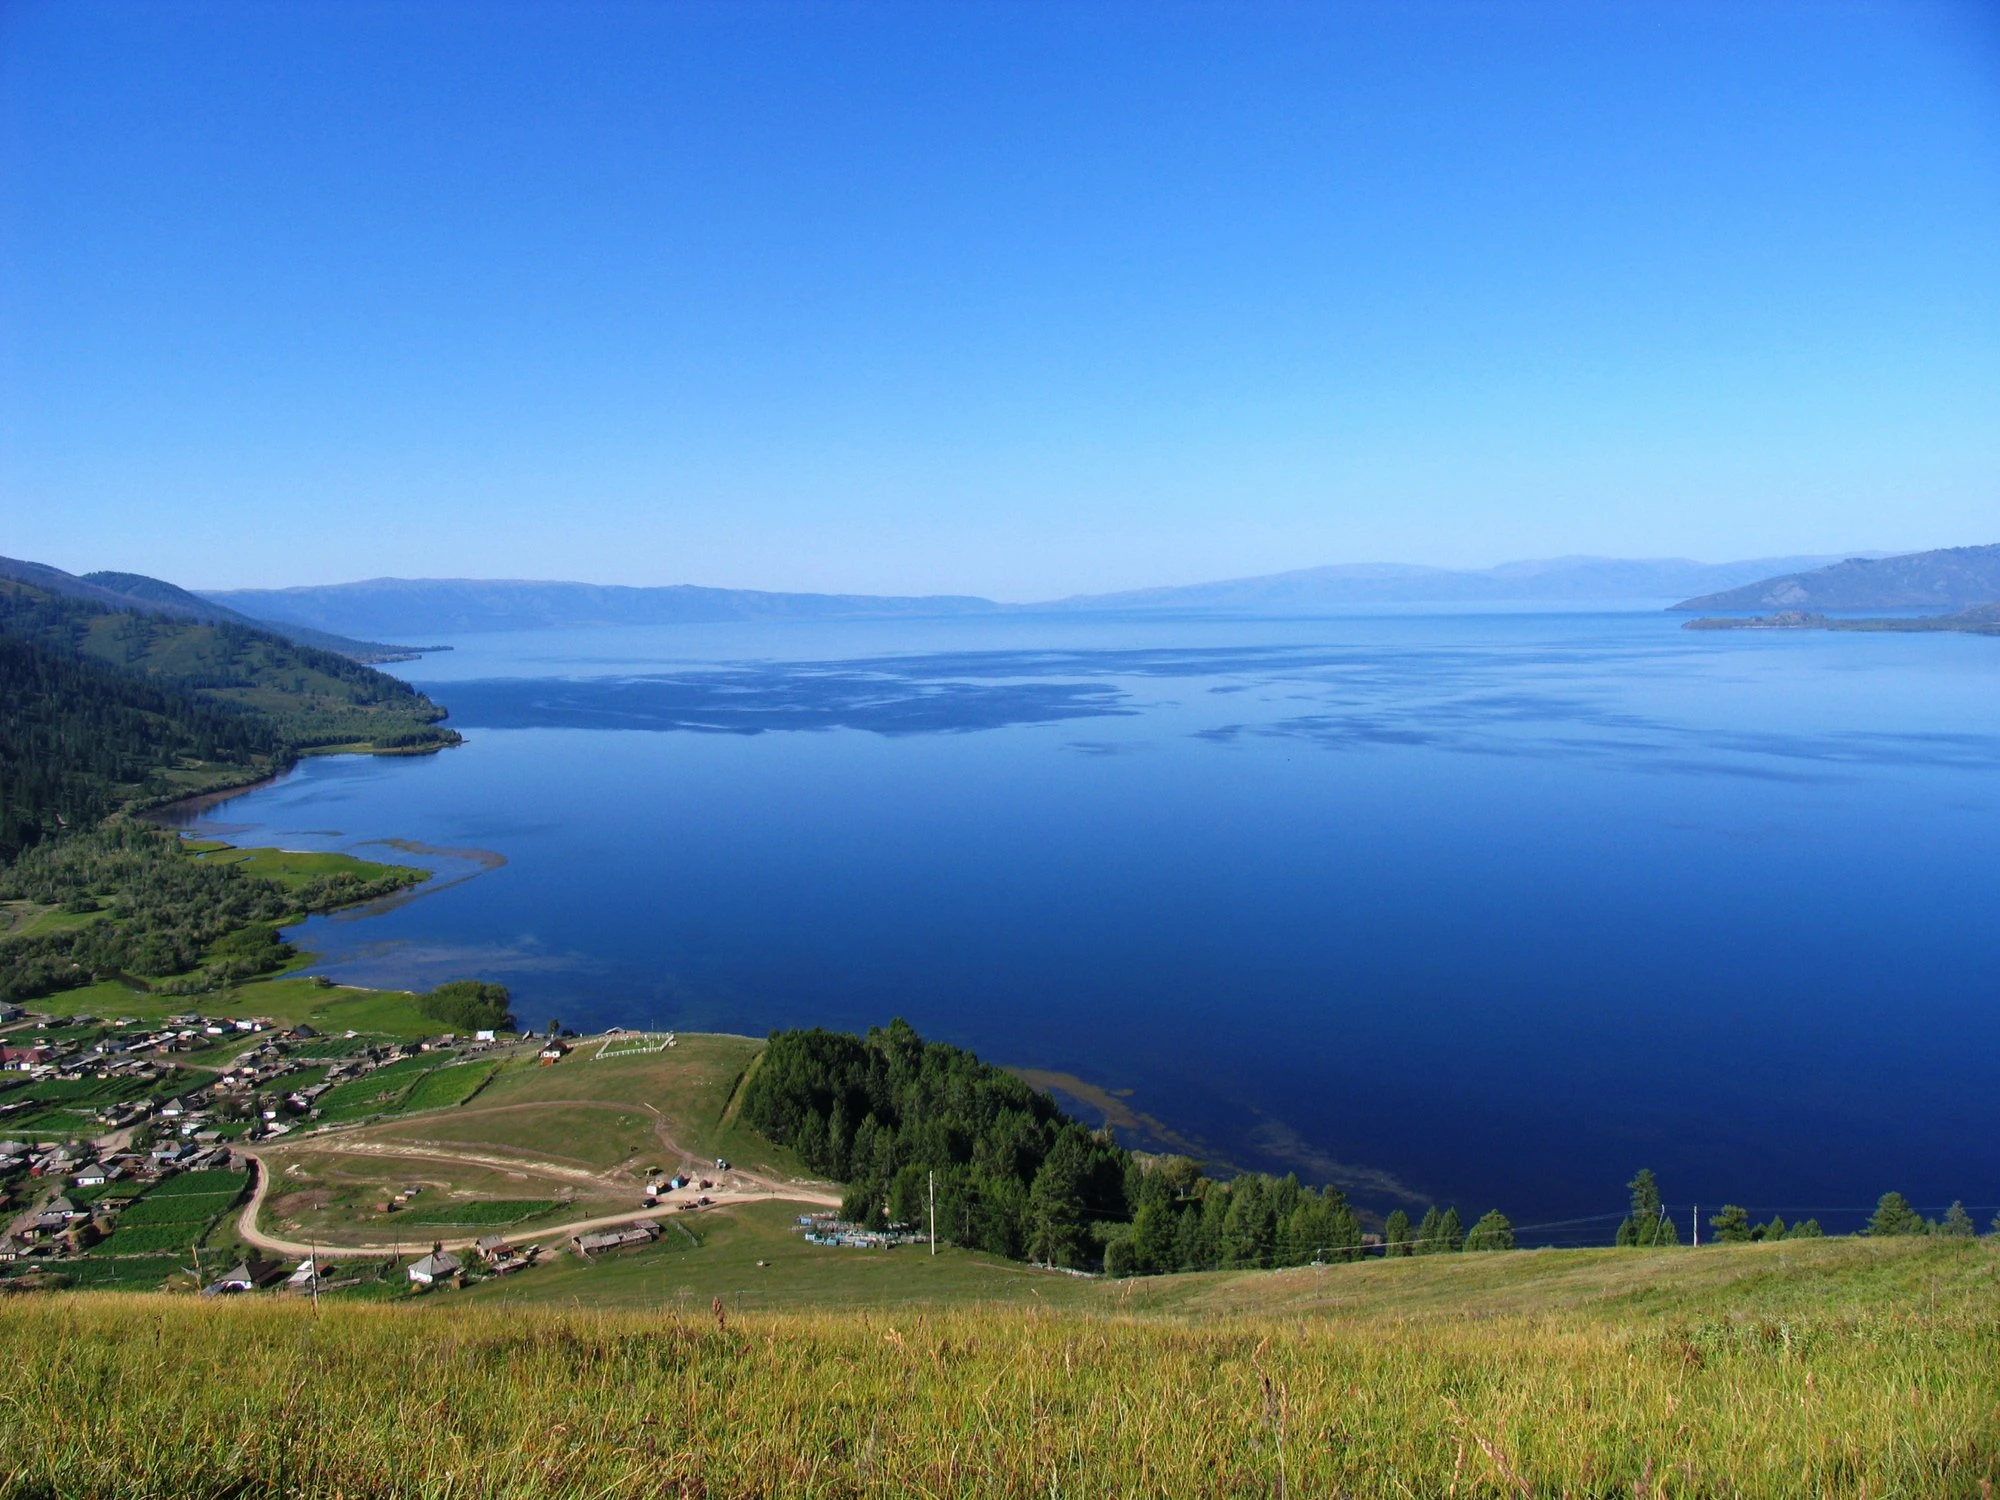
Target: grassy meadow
{"x": 1844, "y": 1367}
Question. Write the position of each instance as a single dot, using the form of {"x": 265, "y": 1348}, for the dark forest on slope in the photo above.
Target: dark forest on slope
{"x": 892, "y": 1116}
{"x": 106, "y": 709}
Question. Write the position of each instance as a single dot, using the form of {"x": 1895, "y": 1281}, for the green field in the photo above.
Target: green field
{"x": 153, "y": 1238}
{"x": 294, "y": 867}
{"x": 200, "y": 1185}
{"x": 374, "y": 1092}
{"x": 1839, "y": 1367}
{"x": 444, "y": 1087}
{"x": 488, "y": 1213}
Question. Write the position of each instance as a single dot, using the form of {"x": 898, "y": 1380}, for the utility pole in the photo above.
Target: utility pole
{"x": 314, "y": 1283}
{"x": 1697, "y": 1226}
{"x": 933, "y": 1213}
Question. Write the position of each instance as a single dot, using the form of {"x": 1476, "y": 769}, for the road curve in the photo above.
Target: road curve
{"x": 247, "y": 1223}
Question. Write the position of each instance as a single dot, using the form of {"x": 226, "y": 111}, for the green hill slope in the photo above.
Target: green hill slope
{"x": 79, "y": 739}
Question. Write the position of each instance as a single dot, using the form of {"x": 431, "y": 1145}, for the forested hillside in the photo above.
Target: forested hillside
{"x": 79, "y": 739}
{"x": 106, "y": 709}
{"x": 893, "y": 1116}
{"x": 144, "y": 908}
{"x": 313, "y": 698}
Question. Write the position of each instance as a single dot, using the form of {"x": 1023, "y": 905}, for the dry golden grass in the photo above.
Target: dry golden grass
{"x": 1856, "y": 1370}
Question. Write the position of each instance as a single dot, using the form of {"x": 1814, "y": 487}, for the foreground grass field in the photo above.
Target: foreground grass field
{"x": 1838, "y": 1368}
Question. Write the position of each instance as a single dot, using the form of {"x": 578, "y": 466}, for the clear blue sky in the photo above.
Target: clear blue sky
{"x": 1018, "y": 299}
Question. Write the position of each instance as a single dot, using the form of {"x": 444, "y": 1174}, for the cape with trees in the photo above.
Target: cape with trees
{"x": 897, "y": 1118}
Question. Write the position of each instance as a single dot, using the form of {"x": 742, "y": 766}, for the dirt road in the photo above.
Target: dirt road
{"x": 759, "y": 1190}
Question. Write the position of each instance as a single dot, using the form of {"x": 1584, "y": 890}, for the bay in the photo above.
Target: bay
{"x": 1489, "y": 909}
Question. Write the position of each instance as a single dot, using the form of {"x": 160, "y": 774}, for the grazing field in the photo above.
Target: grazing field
{"x": 482, "y": 1213}
{"x": 444, "y": 1087}
{"x": 582, "y": 1135}
{"x": 1839, "y": 1368}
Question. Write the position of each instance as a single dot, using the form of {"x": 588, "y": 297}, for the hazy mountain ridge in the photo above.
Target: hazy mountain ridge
{"x": 445, "y": 606}
{"x": 136, "y": 591}
{"x": 1947, "y": 578}
{"x": 1578, "y": 579}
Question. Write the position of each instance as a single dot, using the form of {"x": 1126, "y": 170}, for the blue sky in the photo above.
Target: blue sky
{"x": 1019, "y": 300}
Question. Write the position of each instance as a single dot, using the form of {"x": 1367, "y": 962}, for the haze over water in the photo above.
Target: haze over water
{"x": 1486, "y": 909}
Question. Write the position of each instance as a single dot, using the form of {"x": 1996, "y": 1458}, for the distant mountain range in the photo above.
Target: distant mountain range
{"x": 354, "y": 618}
{"x": 1557, "y": 580}
{"x": 135, "y": 591}
{"x": 1951, "y": 578}
{"x": 450, "y": 606}
{"x": 425, "y": 607}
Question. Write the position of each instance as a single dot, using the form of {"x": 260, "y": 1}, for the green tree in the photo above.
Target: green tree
{"x": 1396, "y": 1233}
{"x": 1119, "y": 1260}
{"x": 1957, "y": 1223}
{"x": 1893, "y": 1216}
{"x": 1492, "y": 1232}
{"x": 1730, "y": 1225}
{"x": 1805, "y": 1229}
{"x": 1153, "y": 1234}
{"x": 1056, "y": 1231}
{"x": 1648, "y": 1223}
{"x": 1775, "y": 1230}
{"x": 1451, "y": 1232}
{"x": 1428, "y": 1239}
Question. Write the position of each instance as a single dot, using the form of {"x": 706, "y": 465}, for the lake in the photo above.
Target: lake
{"x": 1486, "y": 909}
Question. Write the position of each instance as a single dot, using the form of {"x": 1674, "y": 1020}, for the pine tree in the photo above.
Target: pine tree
{"x": 1775, "y": 1230}
{"x": 1153, "y": 1234}
{"x": 1451, "y": 1232}
{"x": 1057, "y": 1234}
{"x": 1730, "y": 1225}
{"x": 1427, "y": 1233}
{"x": 1396, "y": 1233}
{"x": 1805, "y": 1229}
{"x": 1957, "y": 1223}
{"x": 1648, "y": 1223}
{"x": 1893, "y": 1216}
{"x": 1492, "y": 1232}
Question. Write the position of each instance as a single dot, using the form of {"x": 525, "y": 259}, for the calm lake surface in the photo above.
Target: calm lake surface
{"x": 1486, "y": 909}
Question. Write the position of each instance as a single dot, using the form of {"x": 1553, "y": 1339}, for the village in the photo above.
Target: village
{"x": 135, "y": 1145}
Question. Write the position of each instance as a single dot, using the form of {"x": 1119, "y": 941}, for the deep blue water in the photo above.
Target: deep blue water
{"x": 1489, "y": 909}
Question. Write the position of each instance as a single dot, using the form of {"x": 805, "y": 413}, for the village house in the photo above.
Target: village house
{"x": 435, "y": 1267}
{"x": 248, "y": 1276}
{"x": 638, "y": 1232}
{"x": 309, "y": 1275}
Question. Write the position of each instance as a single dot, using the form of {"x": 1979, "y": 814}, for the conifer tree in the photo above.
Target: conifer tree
{"x": 1492, "y": 1232}
{"x": 1957, "y": 1223}
{"x": 1730, "y": 1225}
{"x": 1893, "y": 1216}
{"x": 1648, "y": 1223}
{"x": 1451, "y": 1232}
{"x": 1396, "y": 1233}
{"x": 1427, "y": 1233}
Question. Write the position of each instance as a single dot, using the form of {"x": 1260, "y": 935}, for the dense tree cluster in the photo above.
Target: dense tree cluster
{"x": 78, "y": 739}
{"x": 98, "y": 706}
{"x": 1649, "y": 1223}
{"x": 885, "y": 1112}
{"x": 1894, "y": 1217}
{"x": 469, "y": 1005}
{"x": 1732, "y": 1226}
{"x": 892, "y": 1115}
{"x": 1184, "y": 1221}
{"x": 163, "y": 913}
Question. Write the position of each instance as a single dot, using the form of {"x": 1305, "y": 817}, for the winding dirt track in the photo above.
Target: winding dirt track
{"x": 757, "y": 1190}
